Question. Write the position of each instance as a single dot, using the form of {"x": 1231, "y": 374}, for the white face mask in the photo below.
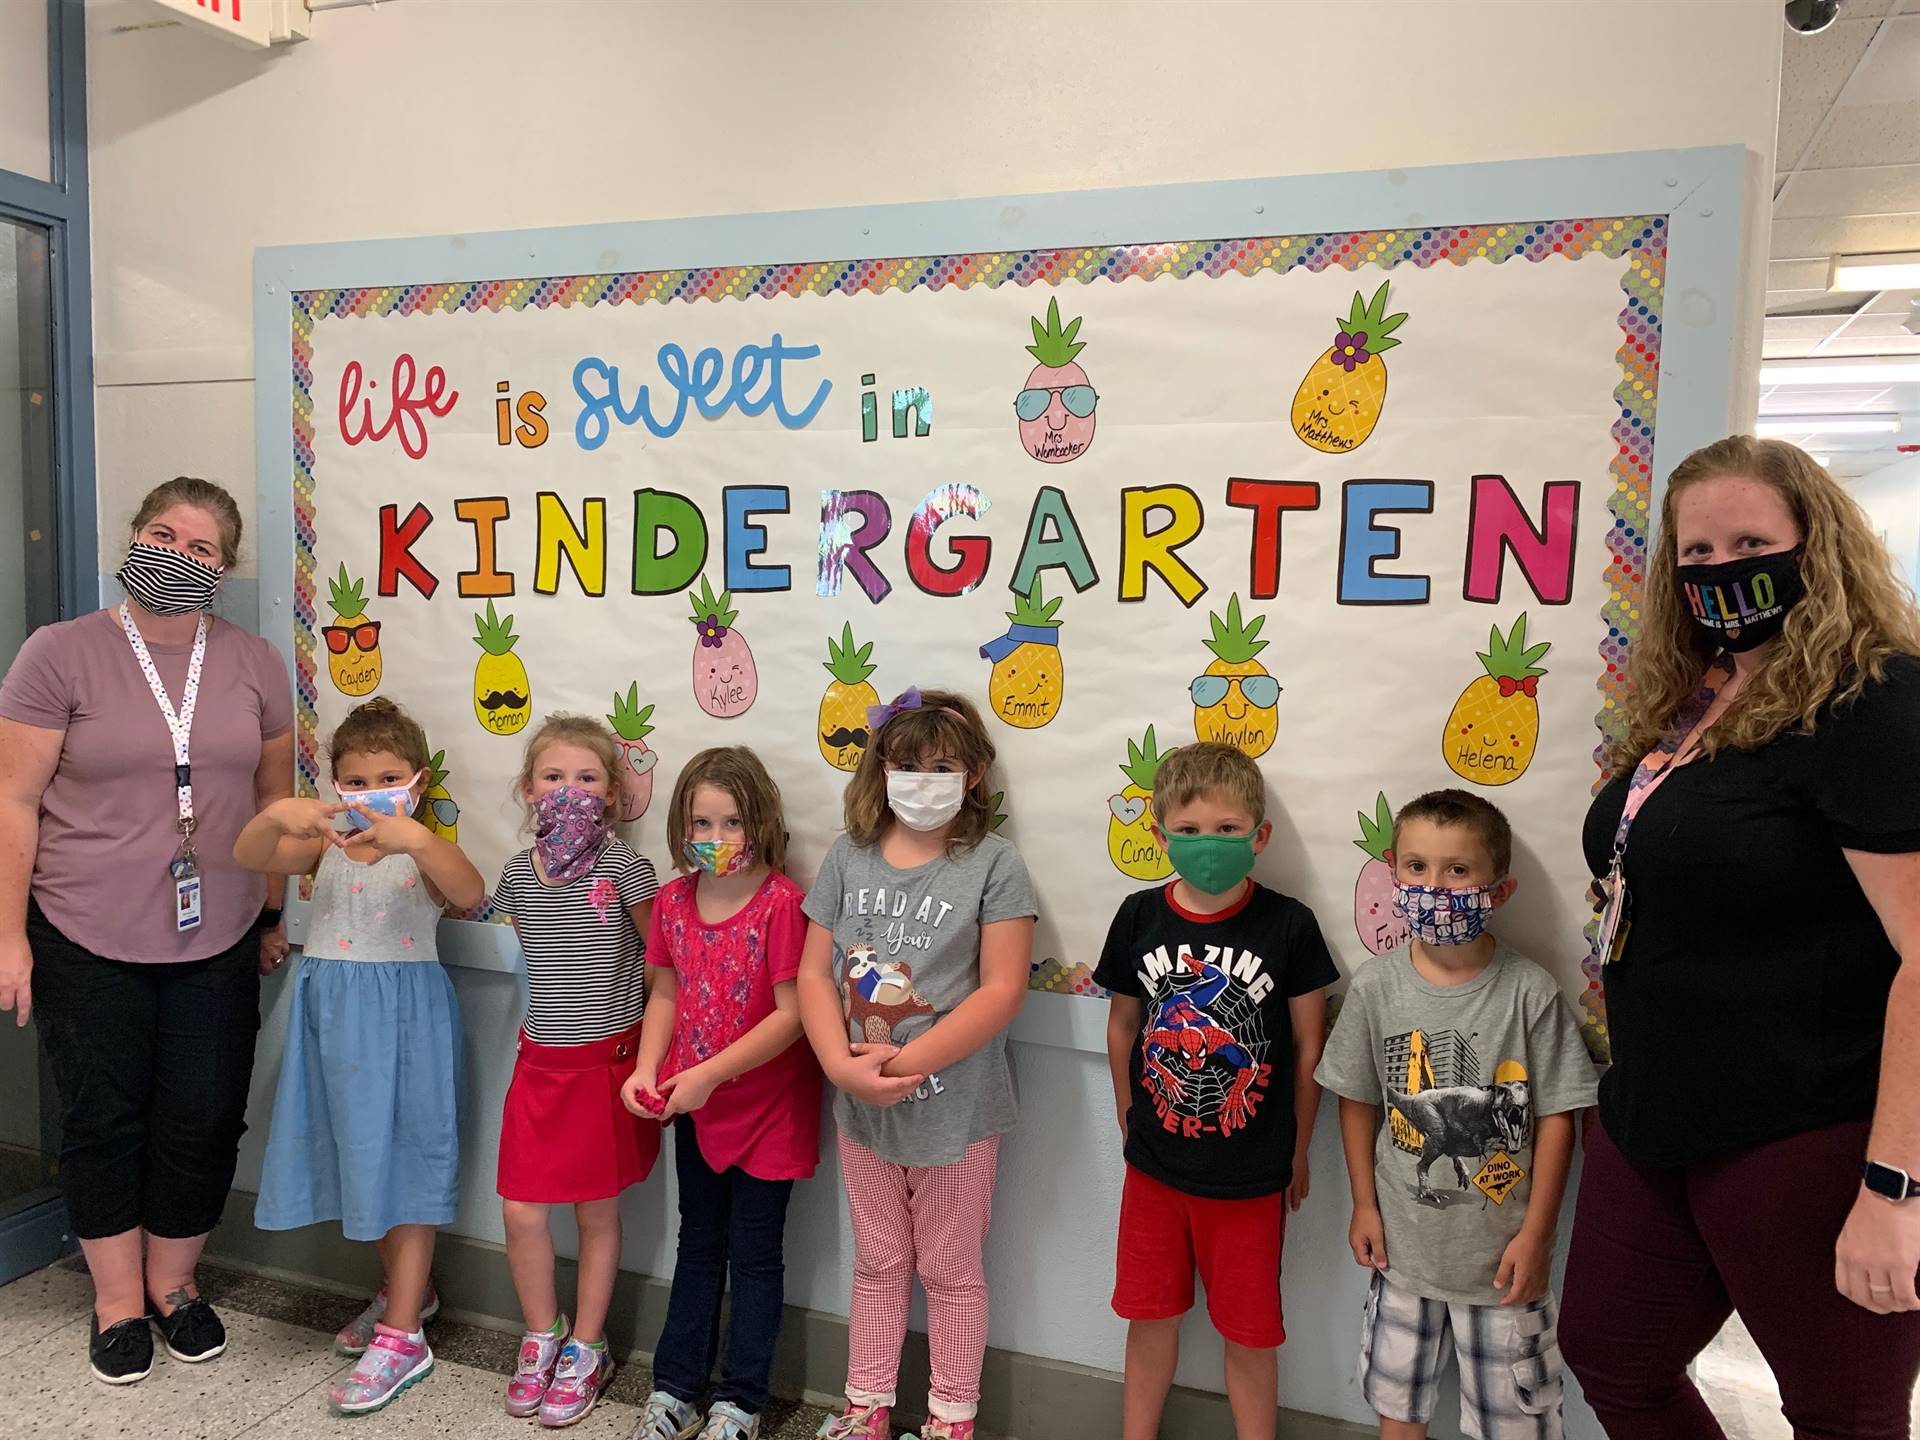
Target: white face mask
{"x": 923, "y": 801}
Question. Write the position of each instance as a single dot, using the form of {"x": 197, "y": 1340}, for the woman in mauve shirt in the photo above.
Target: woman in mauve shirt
{"x": 142, "y": 968}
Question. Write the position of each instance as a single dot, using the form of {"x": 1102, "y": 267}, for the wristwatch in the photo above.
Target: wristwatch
{"x": 270, "y": 917}
{"x": 1890, "y": 1182}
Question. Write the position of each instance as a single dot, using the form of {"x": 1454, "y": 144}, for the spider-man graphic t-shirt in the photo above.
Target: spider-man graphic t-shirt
{"x": 1212, "y": 1069}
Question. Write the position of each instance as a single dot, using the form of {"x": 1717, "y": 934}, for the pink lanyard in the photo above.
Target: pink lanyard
{"x": 1658, "y": 763}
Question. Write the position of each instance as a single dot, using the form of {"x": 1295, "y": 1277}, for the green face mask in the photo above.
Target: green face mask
{"x": 1212, "y": 864}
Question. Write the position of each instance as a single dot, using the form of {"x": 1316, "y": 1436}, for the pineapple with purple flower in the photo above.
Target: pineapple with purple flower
{"x": 725, "y": 681}
{"x": 1339, "y": 401}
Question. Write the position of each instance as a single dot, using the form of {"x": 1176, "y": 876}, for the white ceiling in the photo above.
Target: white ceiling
{"x": 1848, "y": 182}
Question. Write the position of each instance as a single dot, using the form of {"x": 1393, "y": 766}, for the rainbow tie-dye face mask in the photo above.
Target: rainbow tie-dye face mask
{"x": 718, "y": 858}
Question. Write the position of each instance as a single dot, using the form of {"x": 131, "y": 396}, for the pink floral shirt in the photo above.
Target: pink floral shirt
{"x": 766, "y": 1121}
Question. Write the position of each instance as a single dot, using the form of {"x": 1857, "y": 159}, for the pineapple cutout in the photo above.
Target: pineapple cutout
{"x": 437, "y": 811}
{"x": 842, "y": 729}
{"x": 629, "y": 721}
{"x": 997, "y": 810}
{"x": 1494, "y": 727}
{"x": 502, "y": 696}
{"x": 725, "y": 680}
{"x": 1339, "y": 401}
{"x": 1056, "y": 406}
{"x": 1029, "y": 678}
{"x": 1380, "y": 929}
{"x": 1236, "y": 702}
{"x": 353, "y": 641}
{"x": 1131, "y": 844}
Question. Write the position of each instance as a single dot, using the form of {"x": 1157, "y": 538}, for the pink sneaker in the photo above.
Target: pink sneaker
{"x": 583, "y": 1374}
{"x": 859, "y": 1422}
{"x": 938, "y": 1429}
{"x": 539, "y": 1352}
{"x": 357, "y": 1334}
{"x": 391, "y": 1363}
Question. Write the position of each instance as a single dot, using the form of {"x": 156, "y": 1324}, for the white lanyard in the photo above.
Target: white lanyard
{"x": 179, "y": 725}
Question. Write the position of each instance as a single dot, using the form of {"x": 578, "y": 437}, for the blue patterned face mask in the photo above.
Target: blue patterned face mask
{"x": 1439, "y": 916}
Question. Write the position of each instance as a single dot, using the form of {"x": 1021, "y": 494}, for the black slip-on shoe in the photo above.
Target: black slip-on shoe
{"x": 121, "y": 1354}
{"x": 193, "y": 1332}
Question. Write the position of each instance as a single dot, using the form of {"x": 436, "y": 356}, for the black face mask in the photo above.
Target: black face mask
{"x": 1743, "y": 603}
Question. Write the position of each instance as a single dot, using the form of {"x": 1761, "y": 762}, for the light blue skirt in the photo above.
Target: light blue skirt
{"x": 365, "y": 1122}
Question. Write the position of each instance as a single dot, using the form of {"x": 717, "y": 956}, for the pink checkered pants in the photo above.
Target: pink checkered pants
{"x": 932, "y": 1220}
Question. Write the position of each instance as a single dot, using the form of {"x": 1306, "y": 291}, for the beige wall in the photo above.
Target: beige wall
{"x": 434, "y": 116}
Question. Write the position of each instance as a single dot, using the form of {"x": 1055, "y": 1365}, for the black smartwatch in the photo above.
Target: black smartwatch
{"x": 1890, "y": 1182}
{"x": 270, "y": 917}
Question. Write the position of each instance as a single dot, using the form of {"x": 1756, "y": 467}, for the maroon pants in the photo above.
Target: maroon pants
{"x": 1661, "y": 1258}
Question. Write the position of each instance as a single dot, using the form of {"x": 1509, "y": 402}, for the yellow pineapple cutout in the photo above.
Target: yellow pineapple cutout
{"x": 1339, "y": 401}
{"x": 353, "y": 641}
{"x": 842, "y": 730}
{"x": 437, "y": 810}
{"x": 1236, "y": 702}
{"x": 502, "y": 697}
{"x": 1494, "y": 727}
{"x": 1131, "y": 844}
{"x": 1029, "y": 678}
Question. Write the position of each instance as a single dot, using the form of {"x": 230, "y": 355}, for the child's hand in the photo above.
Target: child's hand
{"x": 1367, "y": 1235}
{"x": 1525, "y": 1268}
{"x": 860, "y": 1076}
{"x": 301, "y": 818}
{"x": 1297, "y": 1190}
{"x": 641, "y": 1094}
{"x": 386, "y": 835}
{"x": 687, "y": 1091}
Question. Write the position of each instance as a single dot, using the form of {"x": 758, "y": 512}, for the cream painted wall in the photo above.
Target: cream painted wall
{"x": 428, "y": 116}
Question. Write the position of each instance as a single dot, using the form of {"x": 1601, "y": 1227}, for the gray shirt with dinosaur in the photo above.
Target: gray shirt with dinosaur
{"x": 1461, "y": 1073}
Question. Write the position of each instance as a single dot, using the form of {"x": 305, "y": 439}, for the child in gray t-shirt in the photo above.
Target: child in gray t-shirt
{"x": 1478, "y": 1064}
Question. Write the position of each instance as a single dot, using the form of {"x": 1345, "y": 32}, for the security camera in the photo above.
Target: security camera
{"x": 1810, "y": 17}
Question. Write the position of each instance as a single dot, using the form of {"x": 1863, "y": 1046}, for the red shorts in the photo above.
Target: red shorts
{"x": 564, "y": 1136}
{"x": 1165, "y": 1235}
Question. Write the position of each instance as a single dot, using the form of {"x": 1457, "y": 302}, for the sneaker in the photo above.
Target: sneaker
{"x": 539, "y": 1352}
{"x": 667, "y": 1417}
{"x": 729, "y": 1422}
{"x": 392, "y": 1362}
{"x": 859, "y": 1422}
{"x": 938, "y": 1429}
{"x": 583, "y": 1373}
{"x": 193, "y": 1332}
{"x": 122, "y": 1353}
{"x": 357, "y": 1333}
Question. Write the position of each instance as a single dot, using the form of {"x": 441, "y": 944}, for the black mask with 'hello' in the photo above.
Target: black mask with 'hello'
{"x": 1743, "y": 603}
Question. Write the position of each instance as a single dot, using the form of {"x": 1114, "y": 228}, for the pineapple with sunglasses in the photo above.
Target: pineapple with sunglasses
{"x": 1236, "y": 702}
{"x": 353, "y": 641}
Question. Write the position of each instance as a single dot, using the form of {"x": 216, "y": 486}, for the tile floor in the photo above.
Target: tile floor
{"x": 273, "y": 1381}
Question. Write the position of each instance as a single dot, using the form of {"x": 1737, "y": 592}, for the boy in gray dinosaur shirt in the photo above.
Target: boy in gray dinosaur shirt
{"x": 1479, "y": 1065}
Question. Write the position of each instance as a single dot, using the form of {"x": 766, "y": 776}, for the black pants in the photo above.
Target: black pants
{"x": 152, "y": 1063}
{"x": 729, "y": 1222}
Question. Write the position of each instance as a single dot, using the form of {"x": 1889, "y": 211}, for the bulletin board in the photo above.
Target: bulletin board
{"x": 1129, "y": 469}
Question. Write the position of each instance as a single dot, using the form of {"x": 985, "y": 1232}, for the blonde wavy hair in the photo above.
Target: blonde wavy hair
{"x": 945, "y": 726}
{"x": 1856, "y": 613}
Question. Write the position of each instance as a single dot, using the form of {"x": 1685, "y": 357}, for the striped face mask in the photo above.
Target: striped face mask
{"x": 166, "y": 582}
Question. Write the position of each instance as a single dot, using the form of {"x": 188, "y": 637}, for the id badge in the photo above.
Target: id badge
{"x": 186, "y": 894}
{"x": 1614, "y": 921}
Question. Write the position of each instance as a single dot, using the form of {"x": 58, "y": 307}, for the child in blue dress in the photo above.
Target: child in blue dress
{"x": 364, "y": 1122}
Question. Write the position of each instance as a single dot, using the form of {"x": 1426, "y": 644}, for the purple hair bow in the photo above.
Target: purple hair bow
{"x": 879, "y": 715}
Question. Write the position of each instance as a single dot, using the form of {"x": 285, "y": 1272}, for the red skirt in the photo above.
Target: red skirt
{"x": 565, "y": 1137}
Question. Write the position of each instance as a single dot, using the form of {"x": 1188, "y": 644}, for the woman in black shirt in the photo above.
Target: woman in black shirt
{"x": 1763, "y": 976}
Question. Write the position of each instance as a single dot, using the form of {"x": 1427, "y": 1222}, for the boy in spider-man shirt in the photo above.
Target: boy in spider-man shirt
{"x": 1218, "y": 1018}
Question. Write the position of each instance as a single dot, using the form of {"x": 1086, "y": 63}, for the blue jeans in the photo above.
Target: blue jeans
{"x": 728, "y": 1222}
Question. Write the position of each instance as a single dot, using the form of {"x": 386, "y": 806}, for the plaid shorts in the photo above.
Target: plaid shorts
{"x": 1510, "y": 1377}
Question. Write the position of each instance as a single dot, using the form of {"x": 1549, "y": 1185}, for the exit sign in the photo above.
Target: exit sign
{"x": 253, "y": 23}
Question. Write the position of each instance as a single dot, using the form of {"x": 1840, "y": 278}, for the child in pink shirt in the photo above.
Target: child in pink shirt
{"x": 718, "y": 1059}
